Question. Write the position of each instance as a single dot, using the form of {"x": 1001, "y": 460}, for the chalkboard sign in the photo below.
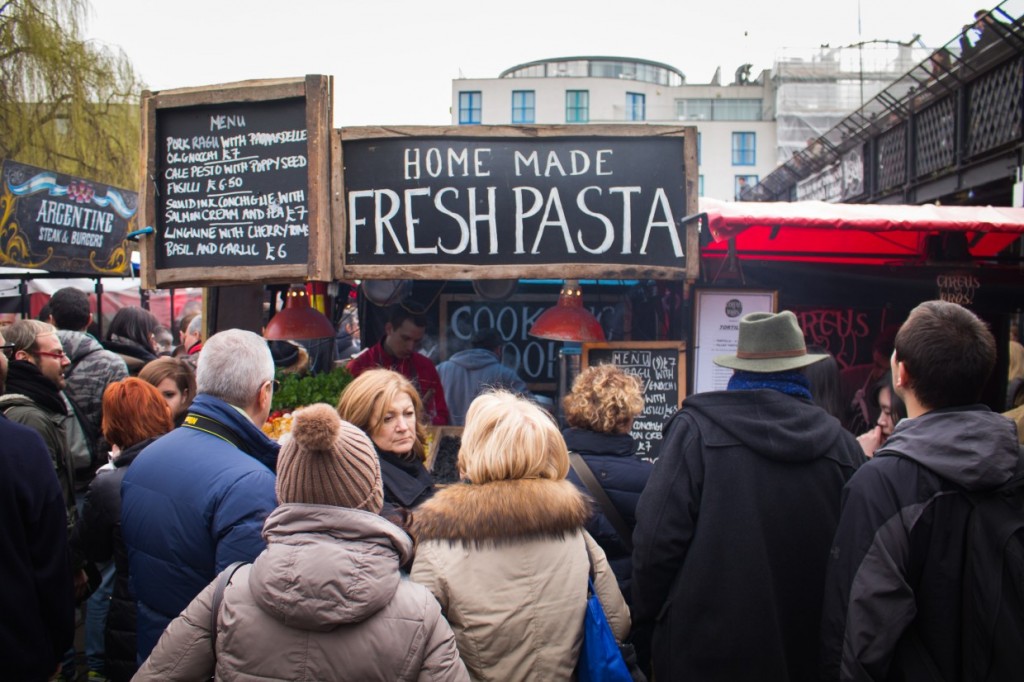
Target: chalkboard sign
{"x": 534, "y": 359}
{"x": 239, "y": 183}
{"x": 503, "y": 201}
{"x": 661, "y": 365}
{"x": 63, "y": 223}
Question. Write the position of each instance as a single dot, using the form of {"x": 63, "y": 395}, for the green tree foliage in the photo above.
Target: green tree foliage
{"x": 66, "y": 104}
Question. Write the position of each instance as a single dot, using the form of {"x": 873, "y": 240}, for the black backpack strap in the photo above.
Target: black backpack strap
{"x": 218, "y": 597}
{"x": 579, "y": 465}
{"x": 199, "y": 422}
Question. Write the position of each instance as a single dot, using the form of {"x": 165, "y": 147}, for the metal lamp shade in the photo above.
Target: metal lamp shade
{"x": 298, "y": 321}
{"x": 568, "y": 320}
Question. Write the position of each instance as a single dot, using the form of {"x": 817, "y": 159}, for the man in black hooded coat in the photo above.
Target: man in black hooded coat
{"x": 735, "y": 525}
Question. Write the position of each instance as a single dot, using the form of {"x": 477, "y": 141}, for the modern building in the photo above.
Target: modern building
{"x": 745, "y": 128}
{"x": 736, "y": 129}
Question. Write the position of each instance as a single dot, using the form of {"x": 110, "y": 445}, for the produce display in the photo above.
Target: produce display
{"x": 297, "y": 391}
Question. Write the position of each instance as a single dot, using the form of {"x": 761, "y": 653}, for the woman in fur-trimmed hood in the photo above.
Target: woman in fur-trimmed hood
{"x": 505, "y": 552}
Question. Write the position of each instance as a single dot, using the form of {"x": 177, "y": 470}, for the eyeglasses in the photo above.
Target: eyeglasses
{"x": 275, "y": 385}
{"x": 59, "y": 354}
{"x": 7, "y": 347}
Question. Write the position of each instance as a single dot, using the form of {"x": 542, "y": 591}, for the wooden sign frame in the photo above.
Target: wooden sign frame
{"x": 643, "y": 345}
{"x": 317, "y": 91}
{"x": 602, "y": 267}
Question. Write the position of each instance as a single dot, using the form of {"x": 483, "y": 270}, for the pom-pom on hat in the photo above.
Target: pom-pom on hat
{"x": 328, "y": 461}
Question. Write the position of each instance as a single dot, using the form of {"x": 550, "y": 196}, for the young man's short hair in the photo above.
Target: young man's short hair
{"x": 949, "y": 354}
{"x": 398, "y": 314}
{"x": 70, "y": 309}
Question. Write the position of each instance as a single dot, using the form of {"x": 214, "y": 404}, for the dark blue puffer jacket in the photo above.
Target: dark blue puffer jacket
{"x": 622, "y": 475}
{"x": 191, "y": 504}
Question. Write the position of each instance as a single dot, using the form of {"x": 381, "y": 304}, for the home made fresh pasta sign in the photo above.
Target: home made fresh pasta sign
{"x": 537, "y": 201}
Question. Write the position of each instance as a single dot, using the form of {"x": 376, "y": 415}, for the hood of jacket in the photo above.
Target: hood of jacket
{"x": 772, "y": 424}
{"x": 251, "y": 438}
{"x": 971, "y": 446}
{"x": 77, "y": 344}
{"x": 586, "y": 442}
{"x": 502, "y": 511}
{"x": 327, "y": 566}
{"x": 474, "y": 358}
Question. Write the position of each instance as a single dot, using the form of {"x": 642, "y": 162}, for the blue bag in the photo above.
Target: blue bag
{"x": 600, "y": 658}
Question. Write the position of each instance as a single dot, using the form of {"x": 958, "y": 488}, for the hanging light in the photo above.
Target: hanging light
{"x": 298, "y": 320}
{"x": 568, "y": 320}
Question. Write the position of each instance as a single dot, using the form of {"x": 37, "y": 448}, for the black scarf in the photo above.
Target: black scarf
{"x": 25, "y": 378}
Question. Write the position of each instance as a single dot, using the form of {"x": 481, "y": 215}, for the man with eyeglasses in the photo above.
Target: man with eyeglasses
{"x": 194, "y": 501}
{"x": 35, "y": 378}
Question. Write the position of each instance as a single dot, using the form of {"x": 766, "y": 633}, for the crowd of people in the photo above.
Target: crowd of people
{"x": 784, "y": 533}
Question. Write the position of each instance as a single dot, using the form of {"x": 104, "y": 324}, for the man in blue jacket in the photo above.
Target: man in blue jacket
{"x": 195, "y": 500}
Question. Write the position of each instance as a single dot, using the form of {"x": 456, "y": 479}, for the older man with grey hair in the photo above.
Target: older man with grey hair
{"x": 195, "y": 500}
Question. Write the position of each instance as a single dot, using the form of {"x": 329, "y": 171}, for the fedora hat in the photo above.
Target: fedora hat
{"x": 769, "y": 342}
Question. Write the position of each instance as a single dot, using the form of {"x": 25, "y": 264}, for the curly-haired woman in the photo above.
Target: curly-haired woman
{"x": 600, "y": 411}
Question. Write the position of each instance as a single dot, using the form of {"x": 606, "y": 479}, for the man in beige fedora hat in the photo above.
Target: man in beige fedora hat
{"x": 734, "y": 528}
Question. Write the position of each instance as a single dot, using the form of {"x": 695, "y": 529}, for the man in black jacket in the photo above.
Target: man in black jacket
{"x": 735, "y": 525}
{"x": 893, "y": 589}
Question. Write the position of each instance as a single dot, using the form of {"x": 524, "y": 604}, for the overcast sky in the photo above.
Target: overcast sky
{"x": 393, "y": 60}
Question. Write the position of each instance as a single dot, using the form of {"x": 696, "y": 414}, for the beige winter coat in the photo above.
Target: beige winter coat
{"x": 508, "y": 561}
{"x": 324, "y": 601}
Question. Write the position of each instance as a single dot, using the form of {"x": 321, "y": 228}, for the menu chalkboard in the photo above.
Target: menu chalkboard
{"x": 661, "y": 366}
{"x": 506, "y": 201}
{"x": 237, "y": 183}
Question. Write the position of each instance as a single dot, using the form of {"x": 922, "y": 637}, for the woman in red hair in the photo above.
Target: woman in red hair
{"x": 134, "y": 415}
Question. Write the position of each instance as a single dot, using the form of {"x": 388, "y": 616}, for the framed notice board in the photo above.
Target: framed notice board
{"x": 236, "y": 183}
{"x": 716, "y": 330}
{"x": 661, "y": 366}
{"x": 496, "y": 202}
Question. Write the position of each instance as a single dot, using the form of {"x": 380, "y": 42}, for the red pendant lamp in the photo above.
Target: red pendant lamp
{"x": 568, "y": 320}
{"x": 298, "y": 320}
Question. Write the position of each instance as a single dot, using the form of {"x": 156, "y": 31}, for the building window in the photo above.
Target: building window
{"x": 694, "y": 109}
{"x": 636, "y": 107}
{"x": 718, "y": 109}
{"x": 743, "y": 182}
{"x": 523, "y": 109}
{"x": 700, "y": 185}
{"x": 744, "y": 149}
{"x": 470, "y": 104}
{"x": 577, "y": 106}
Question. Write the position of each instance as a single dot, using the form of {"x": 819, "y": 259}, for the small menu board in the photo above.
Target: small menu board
{"x": 63, "y": 223}
{"x": 661, "y": 366}
{"x": 238, "y": 187}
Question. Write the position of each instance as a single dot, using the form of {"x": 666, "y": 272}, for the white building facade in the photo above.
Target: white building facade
{"x": 735, "y": 123}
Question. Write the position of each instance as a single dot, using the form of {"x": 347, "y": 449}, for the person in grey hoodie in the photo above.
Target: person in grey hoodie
{"x": 893, "y": 587}
{"x": 470, "y": 372}
{"x": 92, "y": 367}
{"x": 326, "y": 600}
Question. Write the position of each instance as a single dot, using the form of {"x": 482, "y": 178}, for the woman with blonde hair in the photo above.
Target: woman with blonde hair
{"x": 505, "y": 551}
{"x": 387, "y": 407}
{"x": 600, "y": 412}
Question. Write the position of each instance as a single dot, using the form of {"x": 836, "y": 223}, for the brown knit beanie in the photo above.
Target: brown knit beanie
{"x": 328, "y": 461}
